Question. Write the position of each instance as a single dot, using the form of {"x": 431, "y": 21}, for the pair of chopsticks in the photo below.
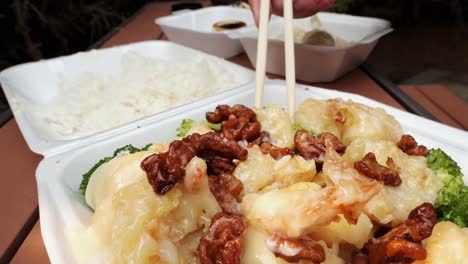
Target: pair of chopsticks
{"x": 262, "y": 46}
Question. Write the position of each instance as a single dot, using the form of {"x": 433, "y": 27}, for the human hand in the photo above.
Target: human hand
{"x": 301, "y": 8}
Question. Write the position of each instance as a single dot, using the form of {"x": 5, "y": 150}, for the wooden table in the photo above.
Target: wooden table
{"x": 20, "y": 237}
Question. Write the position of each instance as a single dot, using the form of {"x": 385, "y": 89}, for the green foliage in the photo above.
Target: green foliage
{"x": 128, "y": 149}
{"x": 452, "y": 202}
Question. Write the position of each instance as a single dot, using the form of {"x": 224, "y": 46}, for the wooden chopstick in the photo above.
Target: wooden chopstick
{"x": 262, "y": 48}
{"x": 289, "y": 55}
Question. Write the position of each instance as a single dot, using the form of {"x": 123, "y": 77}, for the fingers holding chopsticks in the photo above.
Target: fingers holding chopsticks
{"x": 301, "y": 8}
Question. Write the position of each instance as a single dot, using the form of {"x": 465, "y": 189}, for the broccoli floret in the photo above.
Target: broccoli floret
{"x": 452, "y": 202}
{"x": 128, "y": 149}
{"x": 184, "y": 127}
{"x": 187, "y": 124}
{"x": 211, "y": 125}
{"x": 87, "y": 175}
{"x": 459, "y": 212}
{"x": 438, "y": 160}
{"x": 145, "y": 148}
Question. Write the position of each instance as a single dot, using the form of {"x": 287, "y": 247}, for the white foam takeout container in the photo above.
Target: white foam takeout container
{"x": 39, "y": 83}
{"x": 195, "y": 29}
{"x": 62, "y": 206}
{"x": 318, "y": 63}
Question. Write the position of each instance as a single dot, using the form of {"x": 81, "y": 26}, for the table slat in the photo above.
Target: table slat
{"x": 32, "y": 249}
{"x": 425, "y": 102}
{"x": 18, "y": 191}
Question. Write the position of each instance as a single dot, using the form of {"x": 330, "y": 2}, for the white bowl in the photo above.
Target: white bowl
{"x": 319, "y": 63}
{"x": 195, "y": 29}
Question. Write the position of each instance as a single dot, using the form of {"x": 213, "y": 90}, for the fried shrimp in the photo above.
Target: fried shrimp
{"x": 301, "y": 207}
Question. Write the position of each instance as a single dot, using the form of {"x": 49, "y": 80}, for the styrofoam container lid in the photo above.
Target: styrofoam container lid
{"x": 62, "y": 206}
{"x": 39, "y": 82}
{"x": 195, "y": 29}
{"x": 318, "y": 63}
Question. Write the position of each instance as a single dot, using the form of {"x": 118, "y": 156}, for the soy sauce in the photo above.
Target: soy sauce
{"x": 228, "y": 25}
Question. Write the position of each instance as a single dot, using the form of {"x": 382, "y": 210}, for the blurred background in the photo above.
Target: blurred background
{"x": 429, "y": 44}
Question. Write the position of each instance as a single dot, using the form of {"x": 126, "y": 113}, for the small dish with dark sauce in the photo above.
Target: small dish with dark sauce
{"x": 228, "y": 25}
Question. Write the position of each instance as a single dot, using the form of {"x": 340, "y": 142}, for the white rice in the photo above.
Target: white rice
{"x": 91, "y": 103}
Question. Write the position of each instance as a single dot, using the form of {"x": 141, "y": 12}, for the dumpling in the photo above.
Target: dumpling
{"x": 277, "y": 122}
{"x": 393, "y": 204}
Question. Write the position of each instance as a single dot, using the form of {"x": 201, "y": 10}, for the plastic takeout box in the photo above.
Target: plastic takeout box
{"x": 195, "y": 29}
{"x": 62, "y": 206}
{"x": 39, "y": 83}
{"x": 318, "y": 63}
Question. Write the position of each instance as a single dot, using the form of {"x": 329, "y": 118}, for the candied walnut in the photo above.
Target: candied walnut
{"x": 418, "y": 226}
{"x": 222, "y": 244}
{"x": 402, "y": 244}
{"x": 328, "y": 139}
{"x": 226, "y": 188}
{"x": 274, "y": 151}
{"x": 239, "y": 128}
{"x": 369, "y": 166}
{"x": 215, "y": 145}
{"x": 239, "y": 122}
{"x": 400, "y": 248}
{"x": 263, "y": 141}
{"x": 295, "y": 249}
{"x": 263, "y": 137}
{"x": 218, "y": 165}
{"x": 308, "y": 146}
{"x": 314, "y": 148}
{"x": 391, "y": 164}
{"x": 222, "y": 112}
{"x": 165, "y": 169}
{"x": 153, "y": 165}
{"x": 409, "y": 145}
